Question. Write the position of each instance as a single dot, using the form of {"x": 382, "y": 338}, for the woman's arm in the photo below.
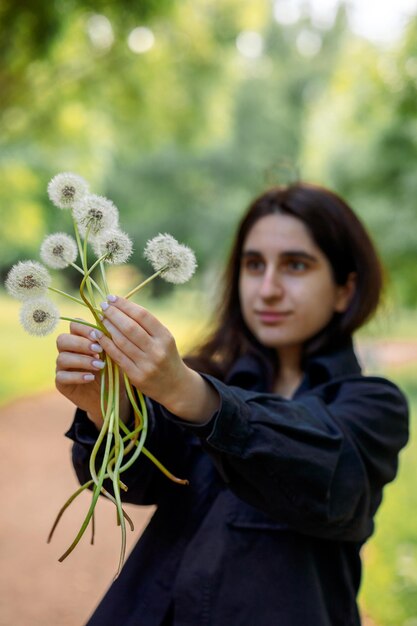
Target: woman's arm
{"x": 319, "y": 462}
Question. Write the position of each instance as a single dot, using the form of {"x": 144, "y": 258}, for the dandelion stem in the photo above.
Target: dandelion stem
{"x": 78, "y": 321}
{"x": 104, "y": 278}
{"x": 97, "y": 490}
{"x": 67, "y": 295}
{"x": 87, "y": 273}
{"x": 82, "y": 285}
{"x": 96, "y": 285}
{"x": 145, "y": 282}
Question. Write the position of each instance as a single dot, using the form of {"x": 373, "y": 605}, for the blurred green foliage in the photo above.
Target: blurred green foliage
{"x": 183, "y": 135}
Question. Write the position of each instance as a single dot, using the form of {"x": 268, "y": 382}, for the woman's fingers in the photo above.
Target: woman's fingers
{"x": 148, "y": 322}
{"x": 116, "y": 348}
{"x": 77, "y": 328}
{"x": 74, "y": 378}
{"x": 71, "y": 361}
{"x": 129, "y": 331}
{"x": 77, "y": 344}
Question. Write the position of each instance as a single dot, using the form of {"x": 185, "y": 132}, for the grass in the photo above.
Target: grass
{"x": 389, "y": 588}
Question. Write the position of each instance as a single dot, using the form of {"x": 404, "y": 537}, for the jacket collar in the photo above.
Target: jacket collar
{"x": 251, "y": 372}
{"x": 338, "y": 362}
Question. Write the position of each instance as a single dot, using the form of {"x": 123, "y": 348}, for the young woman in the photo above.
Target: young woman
{"x": 286, "y": 445}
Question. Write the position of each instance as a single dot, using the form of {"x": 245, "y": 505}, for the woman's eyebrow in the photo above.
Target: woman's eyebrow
{"x": 300, "y": 254}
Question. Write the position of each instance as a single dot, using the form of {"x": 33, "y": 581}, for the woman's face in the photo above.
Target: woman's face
{"x": 287, "y": 291}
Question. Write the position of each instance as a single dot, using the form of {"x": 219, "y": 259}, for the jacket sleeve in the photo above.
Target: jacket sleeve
{"x": 146, "y": 484}
{"x": 319, "y": 462}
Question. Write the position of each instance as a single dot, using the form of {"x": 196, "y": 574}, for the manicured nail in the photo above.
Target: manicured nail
{"x": 95, "y": 347}
{"x": 89, "y": 377}
{"x": 99, "y": 364}
{"x": 111, "y": 298}
{"x": 96, "y": 334}
{"x": 104, "y": 305}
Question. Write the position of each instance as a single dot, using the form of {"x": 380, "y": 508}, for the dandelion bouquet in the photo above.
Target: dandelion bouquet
{"x": 96, "y": 223}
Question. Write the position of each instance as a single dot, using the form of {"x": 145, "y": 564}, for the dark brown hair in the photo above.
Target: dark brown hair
{"x": 343, "y": 239}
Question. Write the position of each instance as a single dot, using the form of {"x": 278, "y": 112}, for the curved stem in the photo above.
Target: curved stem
{"x": 140, "y": 443}
{"x": 90, "y": 306}
{"x": 106, "y": 422}
{"x": 75, "y": 495}
{"x": 93, "y": 282}
{"x": 96, "y": 492}
{"x": 66, "y": 505}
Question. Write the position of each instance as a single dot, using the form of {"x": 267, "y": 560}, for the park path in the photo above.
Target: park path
{"x": 36, "y": 477}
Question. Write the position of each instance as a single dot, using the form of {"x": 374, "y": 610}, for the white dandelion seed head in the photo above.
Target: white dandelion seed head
{"x": 27, "y": 279}
{"x": 58, "y": 251}
{"x": 39, "y": 316}
{"x": 66, "y": 189}
{"x": 164, "y": 250}
{"x": 116, "y": 244}
{"x": 96, "y": 212}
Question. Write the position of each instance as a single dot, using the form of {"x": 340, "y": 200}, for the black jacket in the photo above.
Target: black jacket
{"x": 282, "y": 496}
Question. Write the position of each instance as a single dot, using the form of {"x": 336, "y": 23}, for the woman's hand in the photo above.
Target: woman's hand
{"x": 145, "y": 349}
{"x": 78, "y": 368}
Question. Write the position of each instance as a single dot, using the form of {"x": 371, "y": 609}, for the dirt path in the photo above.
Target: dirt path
{"x": 36, "y": 477}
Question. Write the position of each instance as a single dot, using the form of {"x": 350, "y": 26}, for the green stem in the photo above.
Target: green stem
{"x": 74, "y": 319}
{"x": 85, "y": 263}
{"x": 96, "y": 285}
{"x": 139, "y": 444}
{"x": 79, "y": 244}
{"x": 66, "y": 505}
{"x": 143, "y": 426}
{"x": 67, "y": 295}
{"x": 97, "y": 489}
{"x": 75, "y": 495}
{"x": 86, "y": 279}
{"x": 104, "y": 278}
{"x": 106, "y": 422}
{"x": 145, "y": 282}
{"x": 90, "y": 306}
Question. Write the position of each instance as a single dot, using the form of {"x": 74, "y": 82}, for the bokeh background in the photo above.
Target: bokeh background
{"x": 180, "y": 112}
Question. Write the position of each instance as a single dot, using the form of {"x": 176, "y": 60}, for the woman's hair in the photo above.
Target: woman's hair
{"x": 343, "y": 239}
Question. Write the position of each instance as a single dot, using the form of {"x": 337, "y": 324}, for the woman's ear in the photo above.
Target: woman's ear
{"x": 345, "y": 293}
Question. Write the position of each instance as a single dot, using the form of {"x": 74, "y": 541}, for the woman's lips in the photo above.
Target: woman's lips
{"x": 272, "y": 317}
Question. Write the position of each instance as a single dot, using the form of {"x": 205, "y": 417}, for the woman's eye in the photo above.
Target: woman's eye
{"x": 297, "y": 266}
{"x": 254, "y": 265}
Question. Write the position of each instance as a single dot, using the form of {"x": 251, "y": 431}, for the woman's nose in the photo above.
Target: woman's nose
{"x": 271, "y": 285}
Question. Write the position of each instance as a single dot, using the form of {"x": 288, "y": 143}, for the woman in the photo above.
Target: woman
{"x": 286, "y": 445}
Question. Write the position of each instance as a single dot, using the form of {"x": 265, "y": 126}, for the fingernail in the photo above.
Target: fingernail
{"x": 99, "y": 364}
{"x": 88, "y": 377}
{"x": 96, "y": 334}
{"x": 95, "y": 347}
{"x": 104, "y": 305}
{"x": 111, "y": 298}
